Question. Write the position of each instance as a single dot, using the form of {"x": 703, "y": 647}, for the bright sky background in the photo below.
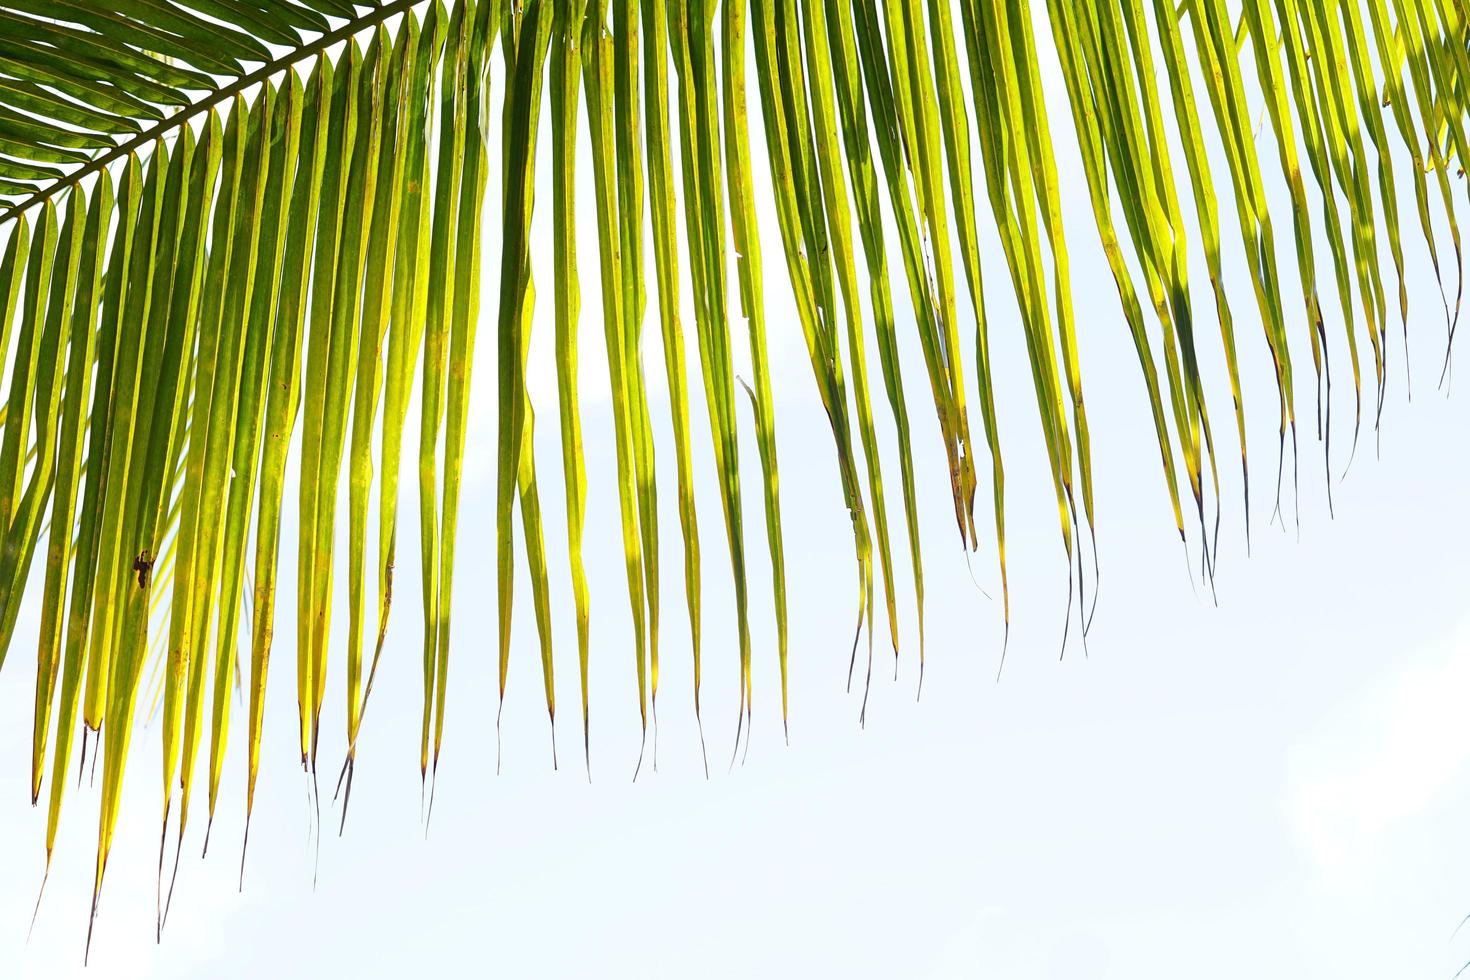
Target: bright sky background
{"x": 1274, "y": 787}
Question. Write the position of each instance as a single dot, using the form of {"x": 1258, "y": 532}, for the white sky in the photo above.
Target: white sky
{"x": 1273, "y": 787}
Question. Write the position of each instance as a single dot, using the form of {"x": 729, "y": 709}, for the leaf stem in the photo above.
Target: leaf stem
{"x": 348, "y": 30}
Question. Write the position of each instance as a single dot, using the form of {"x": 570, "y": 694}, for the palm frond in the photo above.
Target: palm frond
{"x": 219, "y": 216}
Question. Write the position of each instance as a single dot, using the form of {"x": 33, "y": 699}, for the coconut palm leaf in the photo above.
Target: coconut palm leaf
{"x": 220, "y": 218}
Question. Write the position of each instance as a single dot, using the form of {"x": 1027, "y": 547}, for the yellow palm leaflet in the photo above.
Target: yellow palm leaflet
{"x": 565, "y": 99}
{"x": 746, "y": 239}
{"x": 527, "y": 37}
{"x": 663, "y": 209}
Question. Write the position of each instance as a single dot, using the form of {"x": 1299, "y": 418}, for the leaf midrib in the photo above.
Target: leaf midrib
{"x": 347, "y": 31}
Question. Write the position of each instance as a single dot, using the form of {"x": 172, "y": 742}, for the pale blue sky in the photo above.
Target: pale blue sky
{"x": 1274, "y": 787}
